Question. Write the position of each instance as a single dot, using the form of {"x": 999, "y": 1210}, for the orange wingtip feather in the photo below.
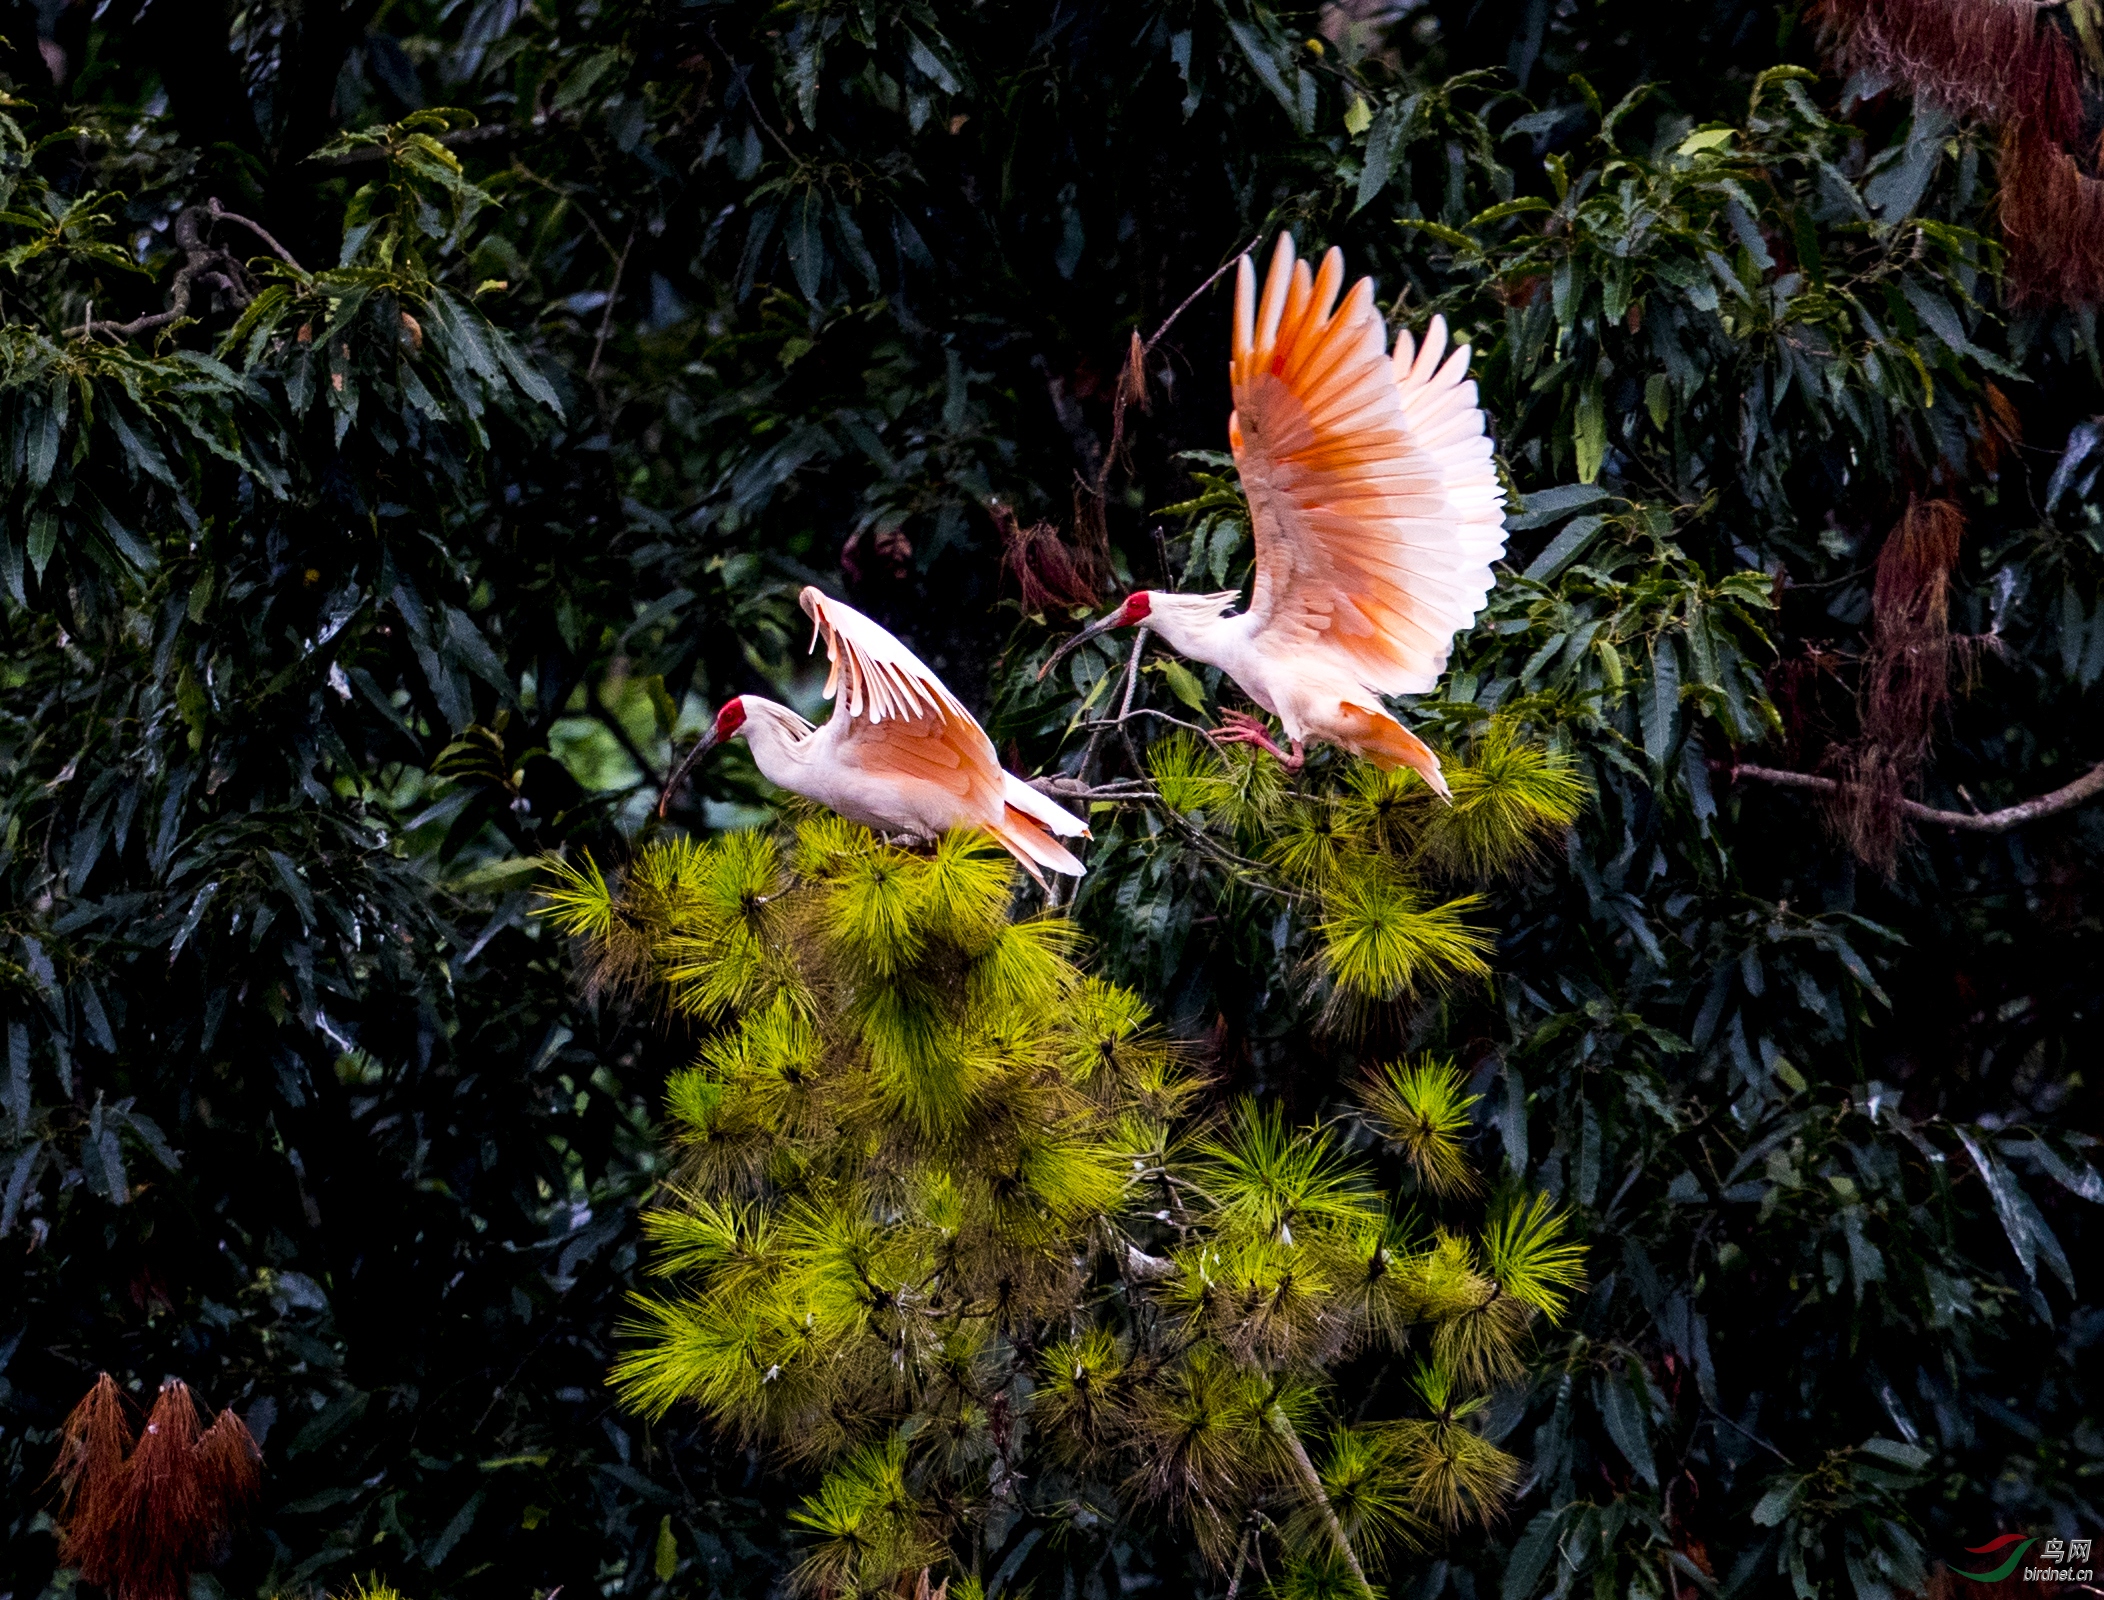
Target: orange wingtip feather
{"x": 1273, "y": 305}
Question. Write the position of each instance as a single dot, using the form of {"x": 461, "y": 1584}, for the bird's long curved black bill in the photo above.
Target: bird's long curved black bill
{"x": 1096, "y": 629}
{"x": 702, "y": 747}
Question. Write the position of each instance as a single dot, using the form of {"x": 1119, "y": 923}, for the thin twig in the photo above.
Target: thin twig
{"x": 1234, "y": 1584}
{"x": 1191, "y": 299}
{"x": 1127, "y": 789}
{"x": 606, "y": 317}
{"x": 1132, "y": 667}
{"x": 569, "y": 197}
{"x": 1132, "y": 671}
{"x": 1196, "y": 835}
{"x": 219, "y": 213}
{"x": 1210, "y": 736}
{"x": 2066, "y": 798}
{"x": 743, "y": 75}
{"x": 204, "y": 264}
{"x": 1123, "y": 397}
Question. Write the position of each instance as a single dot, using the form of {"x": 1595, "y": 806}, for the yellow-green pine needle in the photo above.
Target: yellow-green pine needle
{"x": 963, "y": 890}
{"x": 872, "y": 911}
{"x": 1309, "y": 845}
{"x": 1371, "y": 1495}
{"x": 580, "y": 903}
{"x": 1264, "y": 1179}
{"x": 1510, "y": 797}
{"x": 1382, "y": 942}
{"x": 1528, "y": 1254}
{"x": 1422, "y": 1108}
{"x": 1451, "y": 1474}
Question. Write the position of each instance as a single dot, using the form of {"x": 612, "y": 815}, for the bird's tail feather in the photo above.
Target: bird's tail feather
{"x": 1388, "y": 745}
{"x": 1025, "y": 839}
{"x": 1048, "y": 813}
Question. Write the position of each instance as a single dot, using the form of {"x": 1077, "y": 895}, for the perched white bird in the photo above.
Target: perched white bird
{"x": 1377, "y": 514}
{"x": 900, "y": 754}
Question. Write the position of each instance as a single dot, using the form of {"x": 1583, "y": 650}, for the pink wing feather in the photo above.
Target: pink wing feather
{"x": 1376, "y": 507}
{"x": 904, "y": 723}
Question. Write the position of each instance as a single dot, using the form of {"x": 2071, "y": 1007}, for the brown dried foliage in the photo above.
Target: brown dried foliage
{"x": 1997, "y": 428}
{"x": 2010, "y": 64}
{"x": 2052, "y": 215}
{"x": 92, "y": 1446}
{"x": 140, "y": 1514}
{"x": 1049, "y": 573}
{"x": 1998, "y": 60}
{"x": 1905, "y": 681}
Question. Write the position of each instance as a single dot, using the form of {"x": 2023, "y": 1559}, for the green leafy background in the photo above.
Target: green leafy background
{"x": 328, "y": 610}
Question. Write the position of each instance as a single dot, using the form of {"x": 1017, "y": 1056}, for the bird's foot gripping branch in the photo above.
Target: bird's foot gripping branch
{"x": 955, "y": 1225}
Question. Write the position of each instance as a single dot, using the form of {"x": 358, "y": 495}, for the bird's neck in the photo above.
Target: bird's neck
{"x": 1199, "y": 634}
{"x": 777, "y": 737}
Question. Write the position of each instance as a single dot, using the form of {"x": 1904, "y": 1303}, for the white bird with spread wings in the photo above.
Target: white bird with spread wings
{"x": 900, "y": 754}
{"x": 1376, "y": 510}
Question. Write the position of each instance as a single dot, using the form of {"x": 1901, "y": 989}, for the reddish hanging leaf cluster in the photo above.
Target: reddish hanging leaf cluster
{"x": 2053, "y": 220}
{"x": 1992, "y": 59}
{"x": 1906, "y": 678}
{"x": 141, "y": 1513}
{"x": 2012, "y": 64}
{"x": 1049, "y": 573}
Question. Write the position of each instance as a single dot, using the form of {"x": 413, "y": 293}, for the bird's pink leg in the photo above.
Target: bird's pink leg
{"x": 1238, "y": 727}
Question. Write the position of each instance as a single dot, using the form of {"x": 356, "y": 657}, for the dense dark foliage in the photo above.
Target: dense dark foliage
{"x": 325, "y": 610}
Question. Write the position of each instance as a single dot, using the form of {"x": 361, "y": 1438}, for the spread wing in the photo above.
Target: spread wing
{"x": 901, "y": 720}
{"x": 1376, "y": 508}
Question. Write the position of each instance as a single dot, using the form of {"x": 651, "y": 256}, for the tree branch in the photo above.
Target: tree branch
{"x": 1311, "y": 1480}
{"x": 219, "y": 213}
{"x": 606, "y": 319}
{"x": 2086, "y": 787}
{"x": 204, "y": 264}
{"x": 1141, "y": 1267}
{"x": 1075, "y": 789}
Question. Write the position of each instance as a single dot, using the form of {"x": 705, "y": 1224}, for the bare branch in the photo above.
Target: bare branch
{"x": 1075, "y": 789}
{"x": 2086, "y": 787}
{"x": 220, "y": 214}
{"x": 205, "y": 265}
{"x": 1140, "y": 1267}
{"x": 1311, "y": 1483}
{"x": 1191, "y": 298}
{"x": 606, "y": 318}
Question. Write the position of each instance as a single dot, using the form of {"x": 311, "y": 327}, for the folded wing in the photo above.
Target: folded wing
{"x": 1376, "y": 507}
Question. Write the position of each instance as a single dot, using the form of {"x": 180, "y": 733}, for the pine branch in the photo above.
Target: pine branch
{"x": 1140, "y": 1267}
{"x": 2086, "y": 787}
{"x": 1311, "y": 1480}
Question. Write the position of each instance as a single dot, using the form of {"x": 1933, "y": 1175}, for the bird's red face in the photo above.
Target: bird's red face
{"x": 729, "y": 719}
{"x": 1135, "y": 609}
